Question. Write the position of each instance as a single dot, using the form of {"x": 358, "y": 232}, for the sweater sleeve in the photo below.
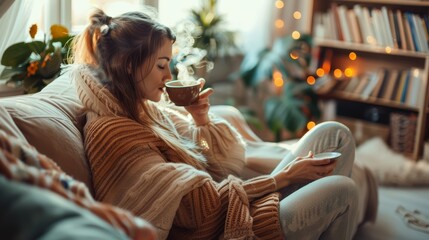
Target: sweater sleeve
{"x": 202, "y": 209}
{"x": 219, "y": 141}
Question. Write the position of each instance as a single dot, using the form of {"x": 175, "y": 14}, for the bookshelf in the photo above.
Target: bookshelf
{"x": 373, "y": 63}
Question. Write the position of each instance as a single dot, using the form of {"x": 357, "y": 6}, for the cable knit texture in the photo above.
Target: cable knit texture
{"x": 135, "y": 169}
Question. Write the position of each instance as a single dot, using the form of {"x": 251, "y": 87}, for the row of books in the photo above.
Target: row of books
{"x": 391, "y": 85}
{"x": 375, "y": 26}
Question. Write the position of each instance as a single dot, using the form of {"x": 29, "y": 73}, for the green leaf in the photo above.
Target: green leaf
{"x": 16, "y": 54}
{"x": 37, "y": 46}
{"x": 7, "y": 73}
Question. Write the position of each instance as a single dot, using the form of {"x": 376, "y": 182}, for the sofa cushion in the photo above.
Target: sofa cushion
{"x": 52, "y": 121}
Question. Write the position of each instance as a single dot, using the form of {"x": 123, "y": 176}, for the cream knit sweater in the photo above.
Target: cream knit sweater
{"x": 136, "y": 170}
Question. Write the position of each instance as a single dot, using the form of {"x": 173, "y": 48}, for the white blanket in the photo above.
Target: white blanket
{"x": 391, "y": 168}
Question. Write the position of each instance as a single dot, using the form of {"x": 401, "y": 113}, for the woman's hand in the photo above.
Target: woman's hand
{"x": 304, "y": 169}
{"x": 200, "y": 109}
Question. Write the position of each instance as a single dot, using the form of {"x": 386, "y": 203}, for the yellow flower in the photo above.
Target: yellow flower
{"x": 58, "y": 31}
{"x": 33, "y": 30}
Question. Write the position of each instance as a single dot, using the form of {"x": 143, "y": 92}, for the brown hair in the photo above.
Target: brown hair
{"x": 117, "y": 47}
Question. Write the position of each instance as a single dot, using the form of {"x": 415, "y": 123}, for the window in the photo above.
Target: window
{"x": 81, "y": 9}
{"x": 252, "y": 25}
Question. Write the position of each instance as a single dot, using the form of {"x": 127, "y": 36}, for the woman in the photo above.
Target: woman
{"x": 179, "y": 168}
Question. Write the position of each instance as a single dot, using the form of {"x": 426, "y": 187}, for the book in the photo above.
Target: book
{"x": 421, "y": 33}
{"x": 362, "y": 24}
{"x": 414, "y": 91}
{"x": 401, "y": 29}
{"x": 378, "y": 28}
{"x": 384, "y": 18}
{"x": 344, "y": 23}
{"x": 336, "y": 21}
{"x": 366, "y": 17}
{"x": 413, "y": 31}
{"x": 352, "y": 84}
{"x": 394, "y": 28}
{"x": 373, "y": 78}
{"x": 401, "y": 85}
{"x": 354, "y": 26}
{"x": 381, "y": 75}
{"x": 397, "y": 85}
{"x": 363, "y": 82}
{"x": 405, "y": 88}
{"x": 408, "y": 35}
{"x": 390, "y": 84}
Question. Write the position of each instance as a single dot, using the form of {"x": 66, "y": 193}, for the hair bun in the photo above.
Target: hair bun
{"x": 104, "y": 29}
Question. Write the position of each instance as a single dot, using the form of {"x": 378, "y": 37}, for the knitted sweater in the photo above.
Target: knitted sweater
{"x": 135, "y": 169}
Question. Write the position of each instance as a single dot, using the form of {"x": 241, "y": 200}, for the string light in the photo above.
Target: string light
{"x": 279, "y": 23}
{"x": 338, "y": 73}
{"x": 296, "y": 35}
{"x": 294, "y": 56}
{"x": 278, "y": 79}
{"x": 311, "y": 80}
{"x": 352, "y": 56}
{"x": 388, "y": 49}
{"x": 297, "y": 15}
{"x": 320, "y": 72}
{"x": 349, "y": 72}
{"x": 311, "y": 125}
{"x": 279, "y": 4}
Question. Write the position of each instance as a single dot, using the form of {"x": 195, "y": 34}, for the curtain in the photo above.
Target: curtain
{"x": 14, "y": 22}
{"x": 4, "y": 6}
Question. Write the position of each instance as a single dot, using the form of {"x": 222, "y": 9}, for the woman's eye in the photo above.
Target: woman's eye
{"x": 161, "y": 67}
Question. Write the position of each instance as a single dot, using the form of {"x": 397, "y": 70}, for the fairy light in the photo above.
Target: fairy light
{"x": 278, "y": 79}
{"x": 352, "y": 56}
{"x": 310, "y": 125}
{"x": 388, "y": 49}
{"x": 371, "y": 40}
{"x": 311, "y": 80}
{"x": 297, "y": 15}
{"x": 416, "y": 73}
{"x": 338, "y": 73}
{"x": 279, "y": 23}
{"x": 294, "y": 56}
{"x": 279, "y": 4}
{"x": 296, "y": 35}
{"x": 349, "y": 72}
{"x": 320, "y": 72}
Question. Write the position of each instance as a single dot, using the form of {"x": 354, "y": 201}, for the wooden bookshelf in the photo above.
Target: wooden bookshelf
{"x": 403, "y": 54}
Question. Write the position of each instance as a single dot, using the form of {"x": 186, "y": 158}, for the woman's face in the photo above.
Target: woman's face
{"x": 153, "y": 85}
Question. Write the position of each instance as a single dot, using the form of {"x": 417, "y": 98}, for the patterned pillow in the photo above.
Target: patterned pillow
{"x": 21, "y": 162}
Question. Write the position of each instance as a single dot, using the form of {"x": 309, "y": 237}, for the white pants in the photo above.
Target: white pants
{"x": 325, "y": 208}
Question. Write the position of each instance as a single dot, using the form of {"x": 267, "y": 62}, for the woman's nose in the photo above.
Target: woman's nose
{"x": 168, "y": 75}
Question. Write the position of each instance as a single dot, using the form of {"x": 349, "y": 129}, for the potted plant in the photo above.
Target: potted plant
{"x": 32, "y": 65}
{"x": 294, "y": 103}
{"x": 209, "y": 33}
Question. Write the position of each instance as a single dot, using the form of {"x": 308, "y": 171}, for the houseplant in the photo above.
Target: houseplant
{"x": 34, "y": 64}
{"x": 209, "y": 32}
{"x": 294, "y": 103}
{"x": 201, "y": 40}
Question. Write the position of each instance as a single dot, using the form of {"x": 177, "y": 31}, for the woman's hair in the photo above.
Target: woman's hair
{"x": 117, "y": 47}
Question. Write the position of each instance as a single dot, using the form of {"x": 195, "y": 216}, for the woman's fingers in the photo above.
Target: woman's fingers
{"x": 206, "y": 93}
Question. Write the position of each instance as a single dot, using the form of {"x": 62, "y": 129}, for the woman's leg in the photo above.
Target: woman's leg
{"x": 323, "y": 209}
{"x": 325, "y": 137}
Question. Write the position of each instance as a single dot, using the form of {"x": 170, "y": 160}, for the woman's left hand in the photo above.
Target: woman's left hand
{"x": 199, "y": 110}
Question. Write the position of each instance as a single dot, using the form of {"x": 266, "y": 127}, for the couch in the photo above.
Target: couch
{"x": 53, "y": 119}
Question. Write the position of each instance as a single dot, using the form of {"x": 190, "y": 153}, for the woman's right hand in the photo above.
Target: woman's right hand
{"x": 303, "y": 170}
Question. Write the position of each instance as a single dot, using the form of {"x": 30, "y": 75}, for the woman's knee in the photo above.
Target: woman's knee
{"x": 333, "y": 126}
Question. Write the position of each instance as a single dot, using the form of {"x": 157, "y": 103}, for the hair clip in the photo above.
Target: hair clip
{"x": 104, "y": 29}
